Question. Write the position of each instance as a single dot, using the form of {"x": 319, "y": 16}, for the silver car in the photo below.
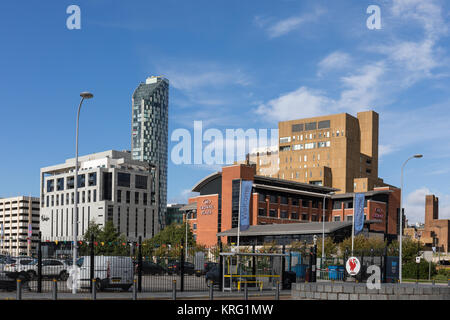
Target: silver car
{"x": 18, "y": 267}
{"x": 51, "y": 268}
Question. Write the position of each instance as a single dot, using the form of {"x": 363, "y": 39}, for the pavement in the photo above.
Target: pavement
{"x": 252, "y": 295}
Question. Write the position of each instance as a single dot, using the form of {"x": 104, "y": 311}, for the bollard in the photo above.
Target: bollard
{"x": 277, "y": 293}
{"x": 134, "y": 290}
{"x": 211, "y": 290}
{"x": 246, "y": 291}
{"x": 55, "y": 290}
{"x": 174, "y": 290}
{"x": 433, "y": 282}
{"x": 19, "y": 290}
{"x": 94, "y": 290}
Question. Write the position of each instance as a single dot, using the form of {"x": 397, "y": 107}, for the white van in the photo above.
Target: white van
{"x": 109, "y": 272}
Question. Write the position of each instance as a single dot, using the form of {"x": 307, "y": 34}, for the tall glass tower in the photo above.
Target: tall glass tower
{"x": 149, "y": 135}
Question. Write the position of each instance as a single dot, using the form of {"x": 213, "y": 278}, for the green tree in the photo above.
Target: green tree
{"x": 362, "y": 245}
{"x": 172, "y": 235}
{"x": 329, "y": 246}
{"x": 410, "y": 248}
{"x": 107, "y": 239}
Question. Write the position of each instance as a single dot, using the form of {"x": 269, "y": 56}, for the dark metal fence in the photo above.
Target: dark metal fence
{"x": 114, "y": 267}
{"x": 127, "y": 266}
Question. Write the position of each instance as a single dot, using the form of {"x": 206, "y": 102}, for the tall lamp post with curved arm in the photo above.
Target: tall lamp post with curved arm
{"x": 401, "y": 218}
{"x": 83, "y": 95}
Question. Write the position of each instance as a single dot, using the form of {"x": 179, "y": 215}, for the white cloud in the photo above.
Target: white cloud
{"x": 415, "y": 205}
{"x": 334, "y": 61}
{"x": 287, "y": 25}
{"x": 301, "y": 103}
{"x": 384, "y": 150}
{"x": 362, "y": 88}
{"x": 360, "y": 91}
{"x": 428, "y": 13}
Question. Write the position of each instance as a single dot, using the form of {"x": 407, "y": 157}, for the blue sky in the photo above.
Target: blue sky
{"x": 231, "y": 64}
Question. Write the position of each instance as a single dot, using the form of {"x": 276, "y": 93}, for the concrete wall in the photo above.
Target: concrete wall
{"x": 359, "y": 291}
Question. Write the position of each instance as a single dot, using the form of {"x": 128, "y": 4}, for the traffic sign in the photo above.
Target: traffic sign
{"x": 353, "y": 266}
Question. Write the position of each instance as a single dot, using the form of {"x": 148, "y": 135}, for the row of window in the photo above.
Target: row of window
{"x": 347, "y": 218}
{"x": 311, "y": 126}
{"x": 307, "y": 146}
{"x": 311, "y": 136}
{"x": 70, "y": 182}
{"x": 58, "y": 200}
{"x": 88, "y": 197}
{"x": 262, "y": 212}
{"x": 61, "y": 222}
{"x": 123, "y": 180}
{"x": 285, "y": 200}
{"x": 305, "y": 158}
{"x": 127, "y": 197}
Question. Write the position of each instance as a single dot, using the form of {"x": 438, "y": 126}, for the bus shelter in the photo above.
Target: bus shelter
{"x": 254, "y": 270}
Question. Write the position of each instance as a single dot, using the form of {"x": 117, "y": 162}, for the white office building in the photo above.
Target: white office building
{"x": 19, "y": 225}
{"x": 111, "y": 186}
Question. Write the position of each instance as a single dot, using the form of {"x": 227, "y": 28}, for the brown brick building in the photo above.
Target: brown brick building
{"x": 338, "y": 151}
{"x": 436, "y": 231}
{"x": 279, "y": 201}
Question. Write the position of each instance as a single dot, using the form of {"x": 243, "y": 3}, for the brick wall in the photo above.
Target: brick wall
{"x": 359, "y": 291}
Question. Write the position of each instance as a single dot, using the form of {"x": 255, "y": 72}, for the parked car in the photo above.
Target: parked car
{"x": 109, "y": 272}
{"x": 51, "y": 268}
{"x": 208, "y": 266}
{"x": 3, "y": 259}
{"x": 19, "y": 267}
{"x": 149, "y": 267}
{"x": 443, "y": 265}
{"x": 174, "y": 268}
{"x": 213, "y": 275}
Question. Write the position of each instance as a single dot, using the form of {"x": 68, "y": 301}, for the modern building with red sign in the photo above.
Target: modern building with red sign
{"x": 213, "y": 215}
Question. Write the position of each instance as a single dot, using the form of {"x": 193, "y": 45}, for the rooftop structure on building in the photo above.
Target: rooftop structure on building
{"x": 339, "y": 151}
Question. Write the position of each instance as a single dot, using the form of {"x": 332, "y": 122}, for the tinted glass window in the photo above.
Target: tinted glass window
{"x": 70, "y": 182}
{"x": 324, "y": 124}
{"x": 60, "y": 184}
{"x": 311, "y": 126}
{"x": 297, "y": 127}
{"x": 81, "y": 180}
{"x": 123, "y": 179}
{"x": 141, "y": 182}
{"x": 93, "y": 179}
{"x": 50, "y": 185}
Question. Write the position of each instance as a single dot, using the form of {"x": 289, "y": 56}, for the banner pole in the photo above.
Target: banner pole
{"x": 353, "y": 223}
{"x": 239, "y": 229}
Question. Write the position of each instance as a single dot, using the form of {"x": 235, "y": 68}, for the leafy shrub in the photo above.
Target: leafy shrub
{"x": 409, "y": 270}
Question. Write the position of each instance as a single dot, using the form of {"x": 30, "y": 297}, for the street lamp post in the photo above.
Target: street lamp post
{"x": 401, "y": 217}
{"x": 83, "y": 95}
{"x": 186, "y": 242}
{"x": 323, "y": 226}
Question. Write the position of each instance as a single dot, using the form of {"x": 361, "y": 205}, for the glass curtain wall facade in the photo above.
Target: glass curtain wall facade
{"x": 149, "y": 139}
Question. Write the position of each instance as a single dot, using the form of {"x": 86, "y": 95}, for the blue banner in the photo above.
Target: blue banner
{"x": 244, "y": 208}
{"x": 359, "y": 212}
